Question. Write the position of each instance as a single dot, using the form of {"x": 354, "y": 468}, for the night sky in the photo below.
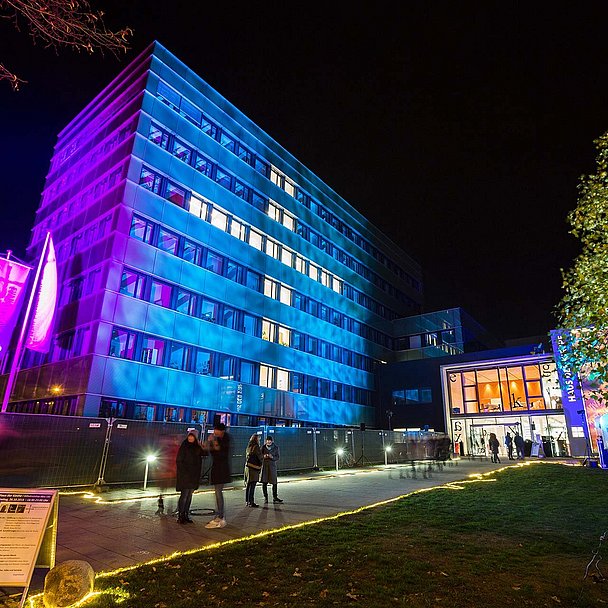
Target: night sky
{"x": 459, "y": 128}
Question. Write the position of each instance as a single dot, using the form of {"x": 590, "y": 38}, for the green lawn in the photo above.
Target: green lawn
{"x": 523, "y": 539}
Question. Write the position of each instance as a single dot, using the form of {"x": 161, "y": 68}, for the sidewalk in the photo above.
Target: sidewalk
{"x": 123, "y": 528}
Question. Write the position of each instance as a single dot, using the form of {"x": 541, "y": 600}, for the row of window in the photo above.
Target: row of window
{"x": 150, "y": 289}
{"x": 444, "y": 340}
{"x": 158, "y": 236}
{"x": 166, "y": 188}
{"x": 56, "y": 222}
{"x": 66, "y": 345}
{"x": 201, "y": 163}
{"x": 135, "y": 346}
{"x": 175, "y": 101}
{"x": 412, "y": 396}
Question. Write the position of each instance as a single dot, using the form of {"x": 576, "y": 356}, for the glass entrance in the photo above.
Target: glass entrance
{"x": 479, "y": 435}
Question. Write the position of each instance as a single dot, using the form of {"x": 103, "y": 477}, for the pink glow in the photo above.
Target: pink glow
{"x": 39, "y": 338}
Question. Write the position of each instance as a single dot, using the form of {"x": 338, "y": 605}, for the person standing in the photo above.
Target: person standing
{"x": 219, "y": 445}
{"x": 253, "y": 466}
{"x": 509, "y": 446}
{"x": 270, "y": 456}
{"x": 189, "y": 461}
{"x": 519, "y": 446}
{"x": 494, "y": 445}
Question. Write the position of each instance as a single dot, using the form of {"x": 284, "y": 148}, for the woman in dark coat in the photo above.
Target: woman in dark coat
{"x": 253, "y": 466}
{"x": 494, "y": 445}
{"x": 189, "y": 462}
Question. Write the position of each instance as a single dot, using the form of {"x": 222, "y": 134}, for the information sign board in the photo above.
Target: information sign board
{"x": 28, "y": 523}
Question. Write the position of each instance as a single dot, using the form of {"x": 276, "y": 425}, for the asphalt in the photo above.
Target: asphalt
{"x": 122, "y": 527}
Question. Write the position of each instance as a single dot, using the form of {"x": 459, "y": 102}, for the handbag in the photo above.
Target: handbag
{"x": 253, "y": 461}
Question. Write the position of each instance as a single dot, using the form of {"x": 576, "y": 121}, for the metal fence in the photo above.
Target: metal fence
{"x": 38, "y": 450}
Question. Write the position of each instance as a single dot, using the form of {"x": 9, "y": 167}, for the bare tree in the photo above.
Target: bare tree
{"x": 62, "y": 23}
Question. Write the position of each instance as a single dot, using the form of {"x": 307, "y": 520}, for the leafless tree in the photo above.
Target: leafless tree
{"x": 62, "y": 23}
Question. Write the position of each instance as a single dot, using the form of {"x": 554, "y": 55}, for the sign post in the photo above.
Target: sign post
{"x": 28, "y": 534}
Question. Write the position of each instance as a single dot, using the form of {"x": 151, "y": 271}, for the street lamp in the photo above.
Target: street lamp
{"x": 339, "y": 453}
{"x": 149, "y": 458}
{"x": 387, "y": 449}
{"x": 389, "y": 415}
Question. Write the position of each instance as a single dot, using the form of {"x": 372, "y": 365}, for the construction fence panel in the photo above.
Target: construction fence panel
{"x": 42, "y": 450}
{"x": 132, "y": 441}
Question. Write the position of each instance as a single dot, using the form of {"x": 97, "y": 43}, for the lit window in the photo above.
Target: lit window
{"x": 337, "y": 286}
{"x": 272, "y": 248}
{"x": 313, "y": 271}
{"x": 238, "y": 230}
{"x": 276, "y": 178}
{"x": 285, "y": 296}
{"x": 274, "y": 211}
{"x": 255, "y": 239}
{"x": 326, "y": 278}
{"x": 290, "y": 188}
{"x": 267, "y": 376}
{"x": 282, "y": 380}
{"x": 270, "y": 288}
{"x": 198, "y": 207}
{"x": 288, "y": 222}
{"x": 284, "y": 336}
{"x": 300, "y": 264}
{"x": 268, "y": 330}
{"x": 219, "y": 219}
{"x": 286, "y": 257}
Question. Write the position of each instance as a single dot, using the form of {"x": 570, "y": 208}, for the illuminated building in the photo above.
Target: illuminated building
{"x": 204, "y": 270}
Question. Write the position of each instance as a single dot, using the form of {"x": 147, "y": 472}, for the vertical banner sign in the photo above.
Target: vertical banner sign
{"x": 13, "y": 278}
{"x": 572, "y": 398}
{"x": 39, "y": 337}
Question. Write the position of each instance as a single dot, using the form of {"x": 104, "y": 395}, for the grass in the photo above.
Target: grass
{"x": 521, "y": 539}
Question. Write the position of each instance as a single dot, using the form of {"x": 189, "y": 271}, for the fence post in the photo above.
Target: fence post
{"x": 104, "y": 456}
{"x": 315, "y": 456}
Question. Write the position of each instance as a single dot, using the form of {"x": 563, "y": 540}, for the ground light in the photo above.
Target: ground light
{"x": 387, "y": 449}
{"x": 120, "y": 595}
{"x": 339, "y": 454}
{"x": 149, "y": 458}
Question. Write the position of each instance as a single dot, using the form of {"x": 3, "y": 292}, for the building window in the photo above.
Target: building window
{"x": 160, "y": 293}
{"x": 150, "y": 180}
{"x": 159, "y": 137}
{"x": 203, "y": 165}
{"x": 209, "y": 310}
{"x": 284, "y": 336}
{"x": 282, "y": 380}
{"x": 226, "y": 365}
{"x": 203, "y": 363}
{"x": 122, "y": 344}
{"x": 198, "y": 207}
{"x": 219, "y": 219}
{"x": 142, "y": 230}
{"x": 182, "y": 151}
{"x": 247, "y": 372}
{"x": 175, "y": 194}
{"x": 152, "y": 350}
{"x": 132, "y": 284}
{"x": 255, "y": 239}
{"x": 286, "y": 294}
{"x": 268, "y": 330}
{"x": 192, "y": 253}
{"x": 267, "y": 375}
{"x": 167, "y": 241}
{"x": 214, "y": 262}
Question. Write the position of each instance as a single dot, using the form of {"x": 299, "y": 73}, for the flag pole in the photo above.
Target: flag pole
{"x": 17, "y": 357}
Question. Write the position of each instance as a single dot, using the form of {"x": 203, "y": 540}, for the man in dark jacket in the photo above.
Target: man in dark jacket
{"x": 219, "y": 446}
{"x": 271, "y": 455}
{"x": 189, "y": 461}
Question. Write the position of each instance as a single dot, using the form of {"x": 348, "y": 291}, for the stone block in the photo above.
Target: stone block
{"x": 68, "y": 583}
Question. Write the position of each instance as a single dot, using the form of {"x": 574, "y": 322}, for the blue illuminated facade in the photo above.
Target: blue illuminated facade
{"x": 204, "y": 270}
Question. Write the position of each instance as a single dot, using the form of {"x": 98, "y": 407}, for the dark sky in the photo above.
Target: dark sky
{"x": 459, "y": 128}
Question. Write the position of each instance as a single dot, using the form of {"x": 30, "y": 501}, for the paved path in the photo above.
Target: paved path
{"x": 124, "y": 529}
